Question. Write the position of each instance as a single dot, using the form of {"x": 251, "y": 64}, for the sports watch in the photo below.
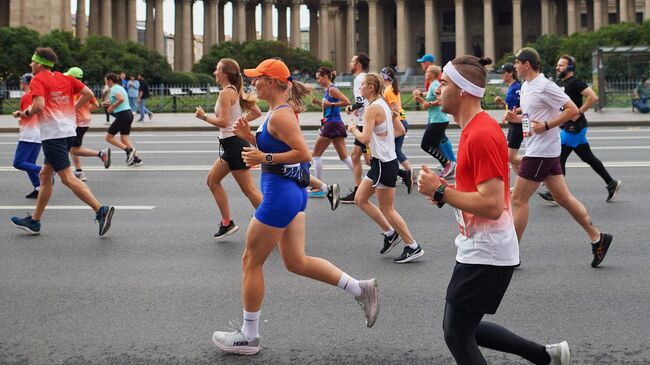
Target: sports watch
{"x": 439, "y": 194}
{"x": 269, "y": 158}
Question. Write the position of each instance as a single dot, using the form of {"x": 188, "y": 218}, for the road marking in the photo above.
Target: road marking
{"x": 76, "y": 207}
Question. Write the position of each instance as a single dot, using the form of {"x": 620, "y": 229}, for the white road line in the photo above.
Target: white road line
{"x": 75, "y": 207}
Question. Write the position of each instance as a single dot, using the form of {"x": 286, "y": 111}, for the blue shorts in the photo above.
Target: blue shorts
{"x": 56, "y": 152}
{"x": 282, "y": 200}
{"x": 574, "y": 140}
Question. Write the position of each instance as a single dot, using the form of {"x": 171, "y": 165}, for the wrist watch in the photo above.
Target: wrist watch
{"x": 439, "y": 194}
{"x": 269, "y": 158}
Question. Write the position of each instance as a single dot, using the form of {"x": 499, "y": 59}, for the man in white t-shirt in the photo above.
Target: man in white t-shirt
{"x": 359, "y": 68}
{"x": 547, "y": 108}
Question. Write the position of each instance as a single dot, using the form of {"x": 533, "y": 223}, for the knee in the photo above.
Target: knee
{"x": 563, "y": 199}
{"x": 46, "y": 178}
{"x": 452, "y": 338}
{"x": 108, "y": 138}
{"x": 518, "y": 201}
{"x": 247, "y": 261}
{"x": 295, "y": 266}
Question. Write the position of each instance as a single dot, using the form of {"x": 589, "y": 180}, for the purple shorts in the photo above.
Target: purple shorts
{"x": 538, "y": 168}
{"x": 333, "y": 130}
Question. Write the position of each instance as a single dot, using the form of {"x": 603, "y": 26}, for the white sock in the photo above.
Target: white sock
{"x": 38, "y": 188}
{"x": 389, "y": 232}
{"x": 413, "y": 245}
{"x": 348, "y": 162}
{"x": 318, "y": 167}
{"x": 324, "y": 188}
{"x": 349, "y": 284}
{"x": 251, "y": 325}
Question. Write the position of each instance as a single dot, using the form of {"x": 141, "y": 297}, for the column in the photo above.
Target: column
{"x": 267, "y": 20}
{"x": 351, "y": 31}
{"x": 373, "y": 36}
{"x": 646, "y": 10}
{"x": 517, "y": 38}
{"x": 571, "y": 16}
{"x": 81, "y": 29}
{"x": 132, "y": 21}
{"x": 214, "y": 36}
{"x": 149, "y": 25}
{"x": 341, "y": 39}
{"x": 295, "y": 23}
{"x": 178, "y": 36}
{"x": 622, "y": 11}
{"x": 241, "y": 21}
{"x": 158, "y": 32}
{"x": 402, "y": 36}
{"x": 598, "y": 13}
{"x": 631, "y": 11}
{"x": 590, "y": 15}
{"x": 333, "y": 30}
{"x": 207, "y": 26}
{"x": 313, "y": 30}
{"x": 546, "y": 17}
{"x": 461, "y": 48}
{"x": 431, "y": 37}
{"x": 251, "y": 32}
{"x": 93, "y": 24}
{"x": 66, "y": 17}
{"x": 119, "y": 19}
{"x": 106, "y": 19}
{"x": 488, "y": 30}
{"x": 323, "y": 31}
{"x": 605, "y": 16}
{"x": 282, "y": 22}
{"x": 221, "y": 28}
{"x": 188, "y": 39}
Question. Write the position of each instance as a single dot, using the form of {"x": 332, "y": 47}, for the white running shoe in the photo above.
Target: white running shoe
{"x": 80, "y": 175}
{"x": 559, "y": 353}
{"x": 369, "y": 300}
{"x": 235, "y": 342}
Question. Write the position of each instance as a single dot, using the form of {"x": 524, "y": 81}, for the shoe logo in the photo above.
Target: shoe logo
{"x": 240, "y": 343}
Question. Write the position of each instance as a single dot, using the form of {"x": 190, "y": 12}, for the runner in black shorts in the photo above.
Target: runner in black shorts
{"x": 229, "y": 108}
{"x": 118, "y": 105}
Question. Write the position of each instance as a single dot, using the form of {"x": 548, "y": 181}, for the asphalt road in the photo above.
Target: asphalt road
{"x": 156, "y": 287}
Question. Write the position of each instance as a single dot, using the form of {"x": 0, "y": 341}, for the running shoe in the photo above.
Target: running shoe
{"x": 32, "y": 195}
{"x": 613, "y": 189}
{"x": 105, "y": 156}
{"x": 80, "y": 175}
{"x": 409, "y": 255}
{"x": 103, "y": 217}
{"x": 369, "y": 300}
{"x": 224, "y": 231}
{"x": 546, "y": 196}
{"x": 150, "y": 116}
{"x": 27, "y": 224}
{"x": 130, "y": 155}
{"x": 333, "y": 195}
{"x": 559, "y": 353}
{"x": 349, "y": 199}
{"x": 316, "y": 194}
{"x": 390, "y": 242}
{"x": 449, "y": 170}
{"x": 599, "y": 249}
{"x": 235, "y": 342}
{"x": 409, "y": 180}
{"x": 136, "y": 162}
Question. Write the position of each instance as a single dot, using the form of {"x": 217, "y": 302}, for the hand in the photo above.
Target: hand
{"x": 537, "y": 127}
{"x": 253, "y": 156}
{"x": 200, "y": 113}
{"x": 511, "y": 116}
{"x": 352, "y": 126}
{"x": 110, "y": 108}
{"x": 16, "y": 114}
{"x": 416, "y": 93}
{"x": 326, "y": 103}
{"x": 348, "y": 109}
{"x": 498, "y": 100}
{"x": 241, "y": 128}
{"x": 428, "y": 182}
{"x": 315, "y": 101}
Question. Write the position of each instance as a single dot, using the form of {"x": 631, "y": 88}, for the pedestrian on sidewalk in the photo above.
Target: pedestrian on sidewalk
{"x": 29, "y": 140}
{"x": 143, "y": 95}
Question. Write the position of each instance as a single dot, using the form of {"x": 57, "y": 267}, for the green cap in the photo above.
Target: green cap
{"x": 530, "y": 55}
{"x": 75, "y": 72}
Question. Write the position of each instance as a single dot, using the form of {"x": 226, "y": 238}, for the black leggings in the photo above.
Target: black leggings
{"x": 584, "y": 152}
{"x": 431, "y": 141}
{"x": 465, "y": 332}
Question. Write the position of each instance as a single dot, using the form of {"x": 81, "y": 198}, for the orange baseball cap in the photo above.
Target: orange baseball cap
{"x": 272, "y": 68}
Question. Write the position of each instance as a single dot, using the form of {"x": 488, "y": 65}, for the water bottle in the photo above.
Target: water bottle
{"x": 525, "y": 124}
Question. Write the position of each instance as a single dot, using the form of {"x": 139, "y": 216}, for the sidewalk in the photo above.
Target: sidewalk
{"x": 311, "y": 121}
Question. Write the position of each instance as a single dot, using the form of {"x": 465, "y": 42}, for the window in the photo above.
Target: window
{"x": 612, "y": 18}
{"x": 504, "y": 18}
{"x": 448, "y": 21}
{"x": 583, "y": 20}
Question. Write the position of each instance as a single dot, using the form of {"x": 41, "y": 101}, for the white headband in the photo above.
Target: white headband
{"x": 462, "y": 82}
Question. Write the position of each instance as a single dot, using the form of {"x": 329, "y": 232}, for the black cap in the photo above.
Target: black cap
{"x": 530, "y": 55}
{"x": 507, "y": 67}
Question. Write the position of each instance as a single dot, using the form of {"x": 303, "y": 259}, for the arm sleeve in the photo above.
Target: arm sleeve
{"x": 25, "y": 101}
{"x": 76, "y": 85}
{"x": 36, "y": 87}
{"x": 487, "y": 159}
{"x": 554, "y": 97}
{"x": 431, "y": 93}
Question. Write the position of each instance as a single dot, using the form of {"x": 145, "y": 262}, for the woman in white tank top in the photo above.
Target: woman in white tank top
{"x": 230, "y": 107}
{"x": 379, "y": 134}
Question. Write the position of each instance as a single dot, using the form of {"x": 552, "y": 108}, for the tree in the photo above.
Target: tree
{"x": 17, "y": 45}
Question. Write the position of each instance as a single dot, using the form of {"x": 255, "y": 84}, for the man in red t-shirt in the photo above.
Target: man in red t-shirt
{"x": 487, "y": 246}
{"x": 54, "y": 104}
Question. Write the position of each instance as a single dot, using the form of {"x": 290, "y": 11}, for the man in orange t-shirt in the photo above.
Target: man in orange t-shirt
{"x": 83, "y": 123}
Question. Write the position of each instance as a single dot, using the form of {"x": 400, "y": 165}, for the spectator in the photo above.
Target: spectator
{"x": 143, "y": 95}
{"x": 123, "y": 80}
{"x": 133, "y": 90}
{"x": 641, "y": 95}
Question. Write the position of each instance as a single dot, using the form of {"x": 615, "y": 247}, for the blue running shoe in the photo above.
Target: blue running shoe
{"x": 103, "y": 217}
{"x": 316, "y": 194}
{"x": 27, "y": 224}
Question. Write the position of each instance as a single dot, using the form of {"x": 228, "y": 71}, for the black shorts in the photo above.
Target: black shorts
{"x": 79, "y": 139}
{"x": 538, "y": 168}
{"x": 515, "y": 135}
{"x": 56, "y": 152}
{"x": 363, "y": 147}
{"x": 232, "y": 149}
{"x": 478, "y": 288}
{"x": 384, "y": 173}
{"x": 122, "y": 123}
